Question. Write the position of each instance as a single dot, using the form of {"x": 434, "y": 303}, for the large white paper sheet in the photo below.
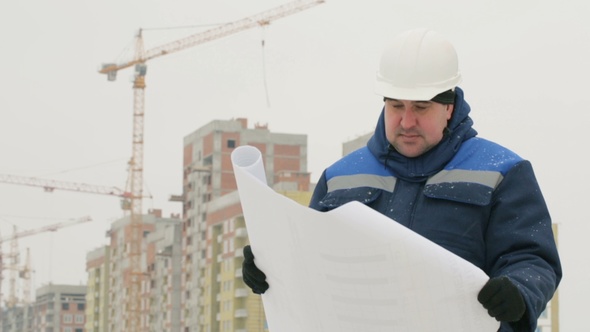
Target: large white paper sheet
{"x": 352, "y": 269}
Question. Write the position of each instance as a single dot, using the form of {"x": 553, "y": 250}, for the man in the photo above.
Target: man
{"x": 425, "y": 168}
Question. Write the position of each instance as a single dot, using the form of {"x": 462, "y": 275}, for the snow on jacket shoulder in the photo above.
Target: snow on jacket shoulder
{"x": 470, "y": 177}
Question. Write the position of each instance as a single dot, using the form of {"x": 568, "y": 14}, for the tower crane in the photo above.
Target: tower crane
{"x": 139, "y": 60}
{"x": 23, "y": 273}
{"x": 11, "y": 301}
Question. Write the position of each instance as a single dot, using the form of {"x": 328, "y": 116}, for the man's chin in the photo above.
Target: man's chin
{"x": 409, "y": 151}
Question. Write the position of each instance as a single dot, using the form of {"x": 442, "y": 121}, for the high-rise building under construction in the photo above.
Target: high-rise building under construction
{"x": 215, "y": 297}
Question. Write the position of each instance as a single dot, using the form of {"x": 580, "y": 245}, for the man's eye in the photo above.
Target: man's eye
{"x": 420, "y": 108}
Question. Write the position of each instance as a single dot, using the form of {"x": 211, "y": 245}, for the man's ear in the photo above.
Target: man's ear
{"x": 450, "y": 109}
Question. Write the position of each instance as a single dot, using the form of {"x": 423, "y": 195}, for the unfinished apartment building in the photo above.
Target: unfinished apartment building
{"x": 119, "y": 275}
{"x": 215, "y": 297}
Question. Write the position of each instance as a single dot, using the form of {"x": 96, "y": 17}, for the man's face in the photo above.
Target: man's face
{"x": 414, "y": 127}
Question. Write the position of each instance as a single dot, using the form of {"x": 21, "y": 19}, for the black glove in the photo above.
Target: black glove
{"x": 251, "y": 274}
{"x": 502, "y": 299}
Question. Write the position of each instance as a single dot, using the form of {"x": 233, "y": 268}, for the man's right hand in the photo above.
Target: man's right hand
{"x": 252, "y": 275}
{"x": 502, "y": 299}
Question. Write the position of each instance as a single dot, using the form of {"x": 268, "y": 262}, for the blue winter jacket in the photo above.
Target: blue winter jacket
{"x": 471, "y": 196}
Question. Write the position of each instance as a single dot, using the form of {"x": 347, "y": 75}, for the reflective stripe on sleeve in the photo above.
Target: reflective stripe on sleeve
{"x": 386, "y": 183}
{"x": 486, "y": 178}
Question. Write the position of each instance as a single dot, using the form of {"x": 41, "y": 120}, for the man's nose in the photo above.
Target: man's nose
{"x": 408, "y": 119}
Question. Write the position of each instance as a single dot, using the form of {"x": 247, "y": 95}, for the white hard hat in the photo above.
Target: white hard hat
{"x": 417, "y": 65}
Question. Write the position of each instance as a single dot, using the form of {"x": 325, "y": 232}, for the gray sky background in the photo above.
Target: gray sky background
{"x": 525, "y": 74}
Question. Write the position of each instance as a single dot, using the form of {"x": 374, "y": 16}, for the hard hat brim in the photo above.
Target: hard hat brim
{"x": 387, "y": 89}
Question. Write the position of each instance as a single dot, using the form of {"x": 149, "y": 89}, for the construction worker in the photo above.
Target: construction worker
{"x": 425, "y": 168}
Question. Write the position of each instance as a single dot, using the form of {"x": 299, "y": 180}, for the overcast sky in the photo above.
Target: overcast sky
{"x": 525, "y": 73}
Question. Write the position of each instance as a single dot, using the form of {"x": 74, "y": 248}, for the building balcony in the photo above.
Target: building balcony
{"x": 241, "y": 232}
{"x": 239, "y": 252}
{"x": 242, "y": 292}
{"x": 202, "y": 263}
{"x": 241, "y": 313}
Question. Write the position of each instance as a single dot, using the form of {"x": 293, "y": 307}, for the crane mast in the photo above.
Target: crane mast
{"x": 136, "y": 188}
{"x": 139, "y": 60}
{"x": 25, "y": 273}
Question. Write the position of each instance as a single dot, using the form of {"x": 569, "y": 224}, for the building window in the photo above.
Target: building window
{"x": 65, "y": 306}
{"x": 81, "y": 307}
{"x": 67, "y": 318}
{"x": 226, "y": 325}
{"x": 208, "y": 160}
{"x": 79, "y": 319}
{"x": 231, "y": 143}
{"x": 206, "y": 180}
{"x": 206, "y": 198}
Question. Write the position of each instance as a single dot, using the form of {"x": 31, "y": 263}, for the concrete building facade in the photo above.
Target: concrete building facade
{"x": 164, "y": 269}
{"x": 97, "y": 295}
{"x": 119, "y": 279}
{"x": 60, "y": 308}
{"x": 215, "y": 297}
{"x": 355, "y": 144}
{"x": 17, "y": 318}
